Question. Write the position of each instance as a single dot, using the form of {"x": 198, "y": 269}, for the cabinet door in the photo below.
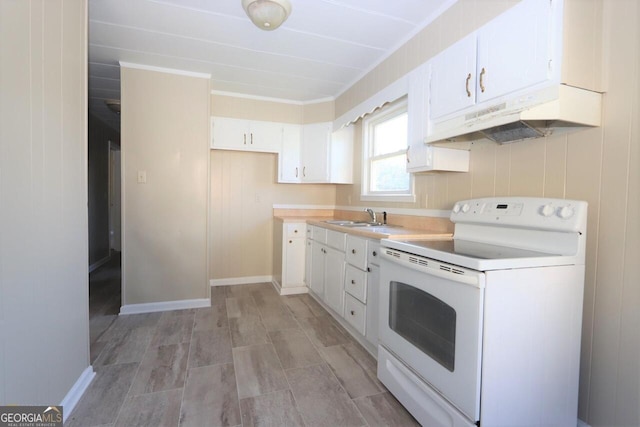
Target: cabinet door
{"x": 289, "y": 169}
{"x": 316, "y": 282}
{"x": 341, "y": 156}
{"x": 315, "y": 152}
{"x": 373, "y": 300}
{"x": 417, "y": 111}
{"x": 334, "y": 280}
{"x": 514, "y": 50}
{"x": 293, "y": 274}
{"x": 453, "y": 78}
{"x": 308, "y": 255}
{"x": 264, "y": 136}
{"x": 229, "y": 134}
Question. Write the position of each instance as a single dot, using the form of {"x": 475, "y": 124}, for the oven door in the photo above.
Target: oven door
{"x": 431, "y": 319}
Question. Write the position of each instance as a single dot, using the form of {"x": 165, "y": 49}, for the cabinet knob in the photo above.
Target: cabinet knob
{"x": 353, "y": 251}
{"x": 295, "y": 231}
{"x": 290, "y": 241}
{"x": 375, "y": 253}
{"x": 353, "y": 282}
{"x": 353, "y": 313}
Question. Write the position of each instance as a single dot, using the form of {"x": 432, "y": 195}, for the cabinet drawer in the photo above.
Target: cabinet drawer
{"x": 295, "y": 229}
{"x": 335, "y": 239}
{"x": 355, "y": 283}
{"x": 373, "y": 252}
{"x": 356, "y": 253}
{"x": 318, "y": 234}
{"x": 355, "y": 313}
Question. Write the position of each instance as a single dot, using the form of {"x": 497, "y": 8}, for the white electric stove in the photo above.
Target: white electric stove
{"x": 485, "y": 328}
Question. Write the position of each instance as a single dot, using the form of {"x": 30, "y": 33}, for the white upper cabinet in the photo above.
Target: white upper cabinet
{"x": 341, "y": 156}
{"x": 417, "y": 117}
{"x": 289, "y": 168}
{"x": 316, "y": 139}
{"x": 514, "y": 50}
{"x": 453, "y": 78}
{"x": 246, "y": 135}
{"x": 510, "y": 53}
{"x": 313, "y": 154}
{"x": 420, "y": 156}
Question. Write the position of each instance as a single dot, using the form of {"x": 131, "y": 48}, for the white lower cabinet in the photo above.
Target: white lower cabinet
{"x": 289, "y": 261}
{"x": 372, "y": 304}
{"x": 355, "y": 313}
{"x": 373, "y": 289}
{"x": 333, "y": 279}
{"x": 355, "y": 282}
{"x": 316, "y": 275}
{"x": 343, "y": 272}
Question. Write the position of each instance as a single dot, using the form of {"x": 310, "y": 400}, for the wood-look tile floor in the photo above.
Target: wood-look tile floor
{"x": 253, "y": 359}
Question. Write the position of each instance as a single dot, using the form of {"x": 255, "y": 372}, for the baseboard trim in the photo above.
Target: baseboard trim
{"x": 294, "y": 290}
{"x": 582, "y": 423}
{"x": 76, "y": 391}
{"x": 99, "y": 263}
{"x": 241, "y": 280}
{"x": 153, "y": 307}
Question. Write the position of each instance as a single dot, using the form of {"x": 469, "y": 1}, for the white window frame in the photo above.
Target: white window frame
{"x": 386, "y": 113}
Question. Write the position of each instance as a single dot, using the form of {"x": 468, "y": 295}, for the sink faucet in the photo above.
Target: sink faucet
{"x": 371, "y": 213}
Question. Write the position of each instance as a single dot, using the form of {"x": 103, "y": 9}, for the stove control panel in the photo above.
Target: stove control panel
{"x": 523, "y": 212}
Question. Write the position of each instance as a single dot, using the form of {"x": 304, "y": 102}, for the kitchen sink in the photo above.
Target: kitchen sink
{"x": 341, "y": 222}
{"x": 347, "y": 223}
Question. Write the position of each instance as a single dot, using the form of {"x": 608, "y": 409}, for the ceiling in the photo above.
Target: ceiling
{"x": 321, "y": 50}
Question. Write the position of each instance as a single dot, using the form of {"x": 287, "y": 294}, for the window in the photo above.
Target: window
{"x": 385, "y": 176}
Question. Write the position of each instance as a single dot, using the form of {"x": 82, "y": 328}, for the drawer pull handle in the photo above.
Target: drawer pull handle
{"x": 353, "y": 282}
{"x": 353, "y": 313}
{"x": 353, "y": 251}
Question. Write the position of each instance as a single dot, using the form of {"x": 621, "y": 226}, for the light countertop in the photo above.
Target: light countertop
{"x": 388, "y": 231}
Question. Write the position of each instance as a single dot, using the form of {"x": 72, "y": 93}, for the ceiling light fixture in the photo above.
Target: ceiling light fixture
{"x": 267, "y": 14}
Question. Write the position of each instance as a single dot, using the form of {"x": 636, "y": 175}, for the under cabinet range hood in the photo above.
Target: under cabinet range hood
{"x": 553, "y": 110}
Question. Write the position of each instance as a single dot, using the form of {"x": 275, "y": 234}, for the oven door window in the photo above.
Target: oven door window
{"x": 425, "y": 321}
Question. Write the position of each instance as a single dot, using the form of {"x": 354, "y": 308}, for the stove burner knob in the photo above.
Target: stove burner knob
{"x": 456, "y": 208}
{"x": 565, "y": 212}
{"x": 547, "y": 210}
{"x": 466, "y": 207}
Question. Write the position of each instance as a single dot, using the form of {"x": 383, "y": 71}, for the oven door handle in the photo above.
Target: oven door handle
{"x": 434, "y": 268}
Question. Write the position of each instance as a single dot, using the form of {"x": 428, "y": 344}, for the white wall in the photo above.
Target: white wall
{"x": 165, "y": 132}
{"x": 44, "y": 318}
